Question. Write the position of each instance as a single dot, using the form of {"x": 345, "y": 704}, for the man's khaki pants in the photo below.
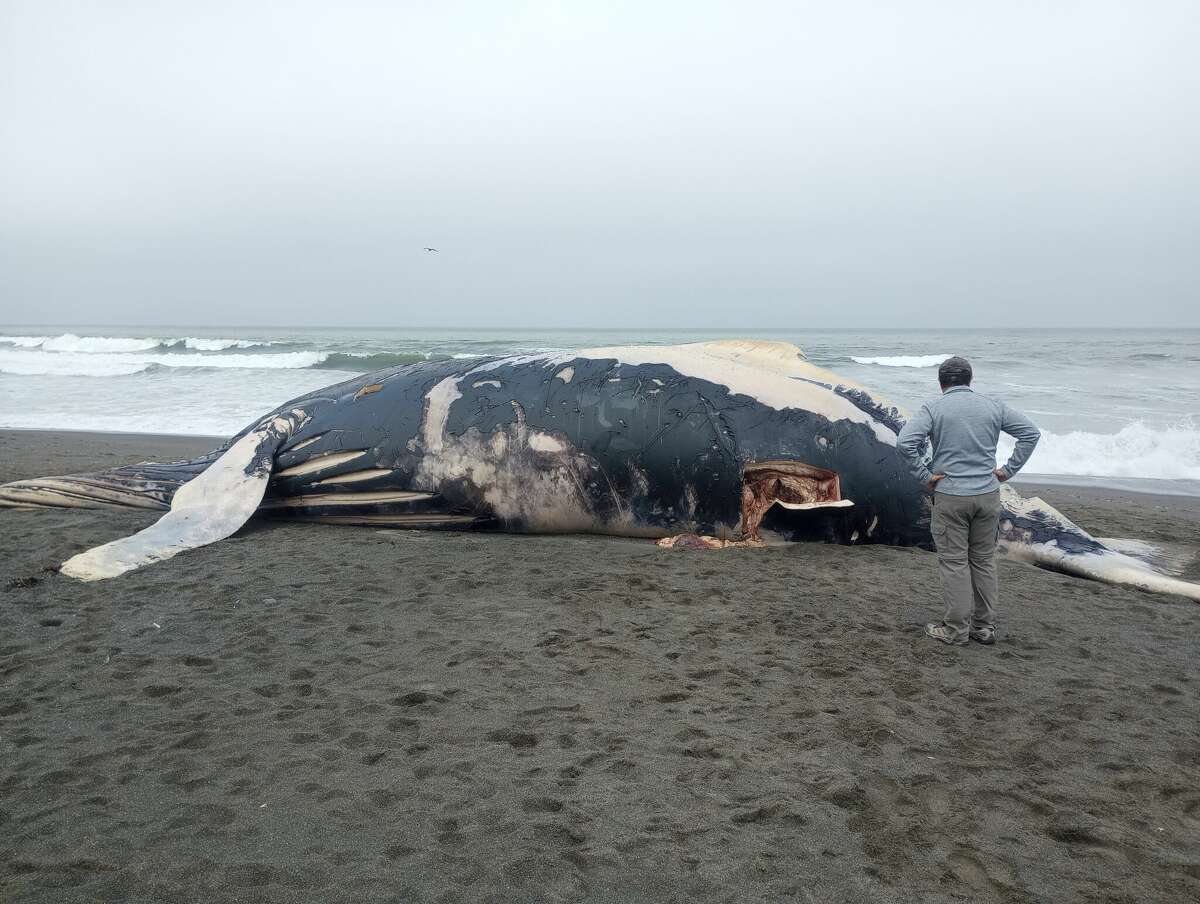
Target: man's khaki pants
{"x": 965, "y": 530}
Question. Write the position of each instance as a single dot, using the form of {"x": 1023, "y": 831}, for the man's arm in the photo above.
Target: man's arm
{"x": 911, "y": 444}
{"x": 1021, "y": 428}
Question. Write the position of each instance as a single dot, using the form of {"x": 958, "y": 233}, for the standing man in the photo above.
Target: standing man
{"x": 965, "y": 482}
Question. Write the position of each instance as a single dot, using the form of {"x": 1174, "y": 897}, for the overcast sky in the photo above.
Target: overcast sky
{"x": 600, "y": 164}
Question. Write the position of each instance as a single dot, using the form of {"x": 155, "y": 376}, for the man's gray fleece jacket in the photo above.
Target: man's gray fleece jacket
{"x": 965, "y": 427}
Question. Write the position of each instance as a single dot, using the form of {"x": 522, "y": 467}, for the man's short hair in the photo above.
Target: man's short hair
{"x": 954, "y": 371}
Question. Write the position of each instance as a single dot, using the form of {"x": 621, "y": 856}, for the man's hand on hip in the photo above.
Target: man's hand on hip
{"x": 1001, "y": 474}
{"x": 933, "y": 482}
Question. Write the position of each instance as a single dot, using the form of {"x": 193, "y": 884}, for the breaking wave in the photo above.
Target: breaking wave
{"x": 116, "y": 364}
{"x": 1136, "y": 450}
{"x": 902, "y": 360}
{"x": 115, "y": 356}
{"x": 23, "y": 341}
{"x": 69, "y": 342}
{"x": 367, "y": 362}
{"x": 219, "y": 345}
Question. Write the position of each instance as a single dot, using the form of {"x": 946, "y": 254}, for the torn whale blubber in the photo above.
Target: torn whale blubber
{"x": 640, "y": 441}
{"x": 792, "y": 486}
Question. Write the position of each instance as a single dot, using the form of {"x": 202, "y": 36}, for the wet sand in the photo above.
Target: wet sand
{"x": 317, "y": 713}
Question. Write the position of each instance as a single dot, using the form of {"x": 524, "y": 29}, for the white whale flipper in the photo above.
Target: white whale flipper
{"x": 210, "y": 507}
{"x": 1034, "y": 531}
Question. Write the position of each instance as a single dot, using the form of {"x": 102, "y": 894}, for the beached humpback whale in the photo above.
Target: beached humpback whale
{"x": 723, "y": 438}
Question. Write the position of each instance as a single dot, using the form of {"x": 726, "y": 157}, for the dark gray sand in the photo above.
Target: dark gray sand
{"x": 315, "y": 713}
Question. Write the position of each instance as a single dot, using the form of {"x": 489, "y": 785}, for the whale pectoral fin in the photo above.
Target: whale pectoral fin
{"x": 1104, "y": 565}
{"x": 1169, "y": 558}
{"x": 207, "y": 508}
{"x": 1033, "y": 531}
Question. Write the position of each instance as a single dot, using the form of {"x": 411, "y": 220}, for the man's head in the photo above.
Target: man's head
{"x": 954, "y": 371}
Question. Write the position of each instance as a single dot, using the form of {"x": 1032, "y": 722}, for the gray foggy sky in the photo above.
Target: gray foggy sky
{"x": 591, "y": 164}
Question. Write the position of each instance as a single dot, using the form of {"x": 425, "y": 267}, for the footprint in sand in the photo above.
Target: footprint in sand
{"x": 517, "y": 739}
{"x": 968, "y": 869}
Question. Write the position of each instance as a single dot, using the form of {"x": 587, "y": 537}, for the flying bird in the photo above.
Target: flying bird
{"x": 433, "y": 250}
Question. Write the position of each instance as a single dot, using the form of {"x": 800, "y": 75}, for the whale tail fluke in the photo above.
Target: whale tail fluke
{"x": 1036, "y": 532}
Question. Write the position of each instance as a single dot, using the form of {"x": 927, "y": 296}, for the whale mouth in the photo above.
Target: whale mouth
{"x": 791, "y": 485}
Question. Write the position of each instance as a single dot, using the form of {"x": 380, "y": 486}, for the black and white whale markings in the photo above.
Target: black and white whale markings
{"x": 716, "y": 437}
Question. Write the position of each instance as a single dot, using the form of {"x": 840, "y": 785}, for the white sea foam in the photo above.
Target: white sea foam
{"x": 1136, "y": 450}
{"x": 217, "y": 345}
{"x": 70, "y": 364}
{"x": 114, "y": 364}
{"x": 23, "y": 341}
{"x": 902, "y": 360}
{"x": 209, "y": 401}
{"x": 70, "y": 342}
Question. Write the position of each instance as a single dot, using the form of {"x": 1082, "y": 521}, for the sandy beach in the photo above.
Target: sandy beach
{"x": 318, "y": 713}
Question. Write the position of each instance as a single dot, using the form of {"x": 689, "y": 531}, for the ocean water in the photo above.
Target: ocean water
{"x": 1119, "y": 406}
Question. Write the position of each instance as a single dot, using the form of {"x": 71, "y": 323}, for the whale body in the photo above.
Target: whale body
{"x": 725, "y": 438}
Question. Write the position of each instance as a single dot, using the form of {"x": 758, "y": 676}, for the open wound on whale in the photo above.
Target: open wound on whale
{"x": 790, "y": 484}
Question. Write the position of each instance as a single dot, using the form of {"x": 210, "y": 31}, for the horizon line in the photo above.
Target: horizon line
{"x": 596, "y": 329}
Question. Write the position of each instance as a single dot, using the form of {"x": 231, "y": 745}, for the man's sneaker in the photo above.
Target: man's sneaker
{"x": 985, "y": 636}
{"x": 938, "y": 631}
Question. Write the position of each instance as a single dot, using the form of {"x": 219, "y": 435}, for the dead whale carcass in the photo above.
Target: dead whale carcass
{"x": 715, "y": 438}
